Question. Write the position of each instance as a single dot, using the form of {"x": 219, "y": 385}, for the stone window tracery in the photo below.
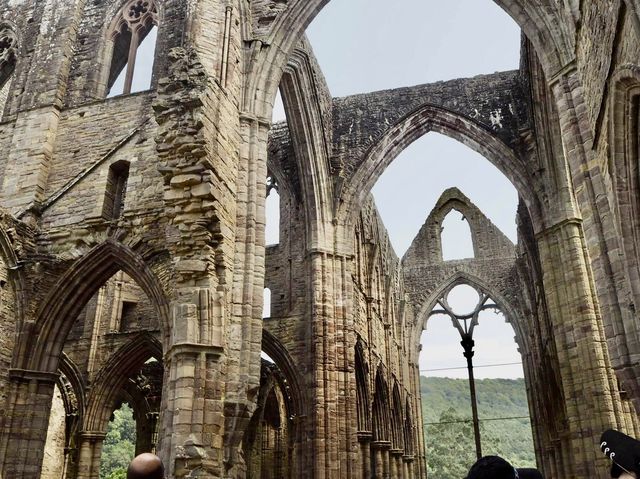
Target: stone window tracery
{"x": 133, "y": 38}
{"x": 8, "y": 56}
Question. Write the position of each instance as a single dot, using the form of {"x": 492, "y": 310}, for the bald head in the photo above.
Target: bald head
{"x": 146, "y": 466}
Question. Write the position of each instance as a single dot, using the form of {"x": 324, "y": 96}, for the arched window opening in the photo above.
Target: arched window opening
{"x": 455, "y": 237}
{"x": 8, "y": 54}
{"x": 267, "y": 442}
{"x": 272, "y": 213}
{"x": 465, "y": 318}
{"x": 134, "y": 42}
{"x": 411, "y": 186}
{"x": 266, "y": 303}
{"x": 116, "y": 190}
{"x": 119, "y": 445}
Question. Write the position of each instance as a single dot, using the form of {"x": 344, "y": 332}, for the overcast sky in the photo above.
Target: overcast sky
{"x": 369, "y": 45}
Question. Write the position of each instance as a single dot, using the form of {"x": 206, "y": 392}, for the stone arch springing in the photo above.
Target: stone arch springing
{"x": 136, "y": 20}
{"x": 71, "y": 387}
{"x": 39, "y": 348}
{"x": 276, "y": 350}
{"x": 274, "y": 434}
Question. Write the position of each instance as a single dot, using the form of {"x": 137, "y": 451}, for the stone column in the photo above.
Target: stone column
{"x": 408, "y": 466}
{"x": 23, "y": 428}
{"x": 90, "y": 451}
{"x": 378, "y": 460}
{"x": 193, "y": 420}
{"x": 584, "y": 368}
{"x": 396, "y": 464}
{"x": 364, "y": 438}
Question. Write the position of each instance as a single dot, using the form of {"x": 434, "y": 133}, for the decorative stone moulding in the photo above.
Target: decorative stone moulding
{"x": 136, "y": 14}
{"x": 8, "y": 46}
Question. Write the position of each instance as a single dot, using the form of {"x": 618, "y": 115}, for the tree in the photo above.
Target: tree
{"x": 450, "y": 446}
{"x": 119, "y": 444}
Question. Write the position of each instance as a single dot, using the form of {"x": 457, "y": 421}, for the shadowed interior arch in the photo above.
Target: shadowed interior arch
{"x": 41, "y": 347}
{"x": 111, "y": 378}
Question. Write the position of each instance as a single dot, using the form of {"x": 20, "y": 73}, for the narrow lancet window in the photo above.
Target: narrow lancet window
{"x": 457, "y": 242}
{"x": 116, "y": 190}
{"x": 272, "y": 212}
{"x": 133, "y": 42}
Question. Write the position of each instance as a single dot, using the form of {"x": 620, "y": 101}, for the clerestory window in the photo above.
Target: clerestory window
{"x": 133, "y": 43}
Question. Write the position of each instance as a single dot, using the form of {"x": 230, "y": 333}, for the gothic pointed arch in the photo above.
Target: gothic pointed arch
{"x": 540, "y": 20}
{"x": 308, "y": 104}
{"x": 110, "y": 380}
{"x": 277, "y": 351}
{"x": 512, "y": 315}
{"x": 421, "y": 121}
{"x": 39, "y": 347}
{"x": 381, "y": 413}
{"x": 75, "y": 382}
{"x": 397, "y": 426}
{"x": 126, "y": 32}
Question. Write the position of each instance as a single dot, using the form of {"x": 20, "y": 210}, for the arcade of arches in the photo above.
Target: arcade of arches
{"x": 133, "y": 260}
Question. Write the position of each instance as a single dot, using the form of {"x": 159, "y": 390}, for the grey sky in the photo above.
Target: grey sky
{"x": 368, "y": 45}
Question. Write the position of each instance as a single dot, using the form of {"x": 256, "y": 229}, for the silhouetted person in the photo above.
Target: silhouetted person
{"x": 146, "y": 466}
{"x": 494, "y": 467}
{"x": 624, "y": 452}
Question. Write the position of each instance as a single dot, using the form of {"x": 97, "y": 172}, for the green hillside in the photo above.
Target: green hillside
{"x": 449, "y": 440}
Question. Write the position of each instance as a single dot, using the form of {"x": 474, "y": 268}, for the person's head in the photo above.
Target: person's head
{"x": 146, "y": 466}
{"x": 492, "y": 467}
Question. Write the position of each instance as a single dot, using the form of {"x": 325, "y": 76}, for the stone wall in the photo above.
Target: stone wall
{"x": 346, "y": 312}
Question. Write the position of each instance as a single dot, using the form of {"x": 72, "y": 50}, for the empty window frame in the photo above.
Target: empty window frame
{"x": 116, "y": 190}
{"x": 133, "y": 40}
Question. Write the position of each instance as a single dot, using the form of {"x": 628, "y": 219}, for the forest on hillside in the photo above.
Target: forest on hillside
{"x": 448, "y": 428}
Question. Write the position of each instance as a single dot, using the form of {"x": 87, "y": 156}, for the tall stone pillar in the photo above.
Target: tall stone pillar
{"x": 23, "y": 428}
{"x": 365, "y": 453}
{"x": 203, "y": 382}
{"x": 584, "y": 367}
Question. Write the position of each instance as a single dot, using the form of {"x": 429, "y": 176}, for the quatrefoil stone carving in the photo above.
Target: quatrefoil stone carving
{"x": 137, "y": 11}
